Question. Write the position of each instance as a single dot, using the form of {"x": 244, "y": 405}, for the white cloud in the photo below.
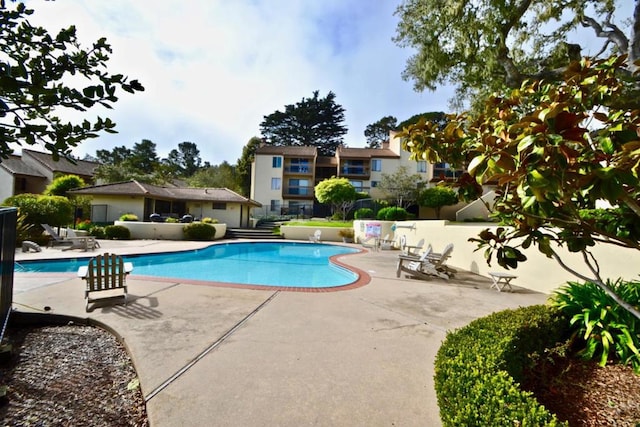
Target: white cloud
{"x": 213, "y": 69}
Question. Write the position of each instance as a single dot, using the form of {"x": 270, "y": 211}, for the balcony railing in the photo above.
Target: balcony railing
{"x": 298, "y": 169}
{"x": 354, "y": 170}
{"x": 298, "y": 191}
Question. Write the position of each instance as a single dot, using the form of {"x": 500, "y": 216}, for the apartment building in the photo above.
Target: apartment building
{"x": 283, "y": 178}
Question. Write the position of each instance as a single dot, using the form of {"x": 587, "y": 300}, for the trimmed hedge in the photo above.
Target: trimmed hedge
{"x": 478, "y": 368}
{"x": 199, "y": 231}
{"x": 117, "y": 232}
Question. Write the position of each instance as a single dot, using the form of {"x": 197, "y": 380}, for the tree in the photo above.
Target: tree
{"x": 338, "y": 192}
{"x": 35, "y": 75}
{"x": 401, "y": 186}
{"x": 243, "y": 168}
{"x": 223, "y": 175}
{"x": 549, "y": 168}
{"x": 437, "y": 197}
{"x": 62, "y": 184}
{"x": 433, "y": 116}
{"x": 143, "y": 157}
{"x": 185, "y": 160}
{"x": 114, "y": 157}
{"x": 485, "y": 45}
{"x": 311, "y": 122}
{"x": 378, "y": 132}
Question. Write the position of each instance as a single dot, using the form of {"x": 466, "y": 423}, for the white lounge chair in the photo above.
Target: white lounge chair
{"x": 56, "y": 239}
{"x": 81, "y": 242}
{"x": 315, "y": 237}
{"x": 106, "y": 272}
{"x": 427, "y": 265}
{"x": 410, "y": 249}
{"x": 370, "y": 242}
{"x": 386, "y": 243}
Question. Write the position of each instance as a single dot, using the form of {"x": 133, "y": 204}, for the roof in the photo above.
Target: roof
{"x": 82, "y": 167}
{"x": 135, "y": 188}
{"x": 366, "y": 153}
{"x": 288, "y": 150}
{"x": 16, "y": 166}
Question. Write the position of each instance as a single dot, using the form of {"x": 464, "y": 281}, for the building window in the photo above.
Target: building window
{"x": 299, "y": 166}
{"x": 221, "y": 206}
{"x": 376, "y": 165}
{"x": 274, "y": 206}
{"x": 422, "y": 166}
{"x": 299, "y": 187}
{"x": 374, "y": 184}
{"x": 353, "y": 167}
{"x": 444, "y": 171}
{"x": 276, "y": 162}
{"x": 276, "y": 183}
{"x": 357, "y": 185}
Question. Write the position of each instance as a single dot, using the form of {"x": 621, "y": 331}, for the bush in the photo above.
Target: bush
{"x": 117, "y": 232}
{"x": 171, "y": 220}
{"x": 208, "y": 220}
{"x": 478, "y": 368}
{"x": 97, "y": 231}
{"x": 39, "y": 209}
{"x": 392, "y": 213}
{"x": 128, "y": 217}
{"x": 364, "y": 213}
{"x": 199, "y": 231}
{"x": 601, "y": 328}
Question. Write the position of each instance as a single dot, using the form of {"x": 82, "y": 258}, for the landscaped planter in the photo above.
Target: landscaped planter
{"x": 163, "y": 230}
{"x": 299, "y": 232}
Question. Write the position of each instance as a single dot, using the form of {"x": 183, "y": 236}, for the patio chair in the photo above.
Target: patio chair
{"x": 386, "y": 243}
{"x": 428, "y": 265}
{"x": 370, "y": 242}
{"x": 106, "y": 272}
{"x": 408, "y": 249}
{"x": 315, "y": 237}
{"x": 81, "y": 242}
{"x": 56, "y": 239}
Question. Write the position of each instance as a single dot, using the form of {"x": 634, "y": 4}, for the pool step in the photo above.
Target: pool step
{"x": 250, "y": 233}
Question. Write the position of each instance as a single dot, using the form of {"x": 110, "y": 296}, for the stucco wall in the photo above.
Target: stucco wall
{"x": 117, "y": 206}
{"x": 229, "y": 216}
{"x": 538, "y": 273}
{"x": 6, "y": 184}
{"x": 163, "y": 231}
{"x": 261, "y": 189}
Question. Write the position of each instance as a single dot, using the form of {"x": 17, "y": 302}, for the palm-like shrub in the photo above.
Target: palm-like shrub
{"x": 601, "y": 328}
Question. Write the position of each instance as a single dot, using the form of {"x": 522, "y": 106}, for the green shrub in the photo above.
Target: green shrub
{"x": 392, "y": 213}
{"x": 601, "y": 328}
{"x": 97, "y": 231}
{"x": 39, "y": 209}
{"x": 117, "y": 232}
{"x": 364, "y": 213}
{"x": 478, "y": 367}
{"x": 128, "y": 217}
{"x": 171, "y": 220}
{"x": 199, "y": 231}
{"x": 208, "y": 220}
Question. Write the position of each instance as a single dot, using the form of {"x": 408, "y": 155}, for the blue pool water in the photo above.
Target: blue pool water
{"x": 259, "y": 263}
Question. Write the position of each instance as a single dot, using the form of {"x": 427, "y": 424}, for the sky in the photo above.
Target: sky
{"x": 212, "y": 69}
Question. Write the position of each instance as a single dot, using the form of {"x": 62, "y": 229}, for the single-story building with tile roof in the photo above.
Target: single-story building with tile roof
{"x": 110, "y": 201}
{"x": 33, "y": 171}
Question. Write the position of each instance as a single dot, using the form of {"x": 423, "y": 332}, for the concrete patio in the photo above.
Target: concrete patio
{"x": 213, "y": 355}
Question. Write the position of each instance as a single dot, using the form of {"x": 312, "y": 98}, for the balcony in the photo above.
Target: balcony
{"x": 300, "y": 192}
{"x": 355, "y": 171}
{"x": 298, "y": 169}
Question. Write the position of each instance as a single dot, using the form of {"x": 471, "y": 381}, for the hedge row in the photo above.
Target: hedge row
{"x": 478, "y": 368}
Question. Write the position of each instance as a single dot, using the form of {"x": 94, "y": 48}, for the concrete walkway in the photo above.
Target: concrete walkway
{"x": 210, "y": 355}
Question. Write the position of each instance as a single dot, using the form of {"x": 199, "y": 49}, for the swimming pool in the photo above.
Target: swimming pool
{"x": 284, "y": 264}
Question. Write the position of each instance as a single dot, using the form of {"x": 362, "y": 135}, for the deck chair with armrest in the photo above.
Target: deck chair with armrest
{"x": 386, "y": 243}
{"x": 315, "y": 237}
{"x": 370, "y": 242}
{"x": 427, "y": 266}
{"x": 56, "y": 239}
{"x": 81, "y": 242}
{"x": 409, "y": 249}
{"x": 105, "y": 272}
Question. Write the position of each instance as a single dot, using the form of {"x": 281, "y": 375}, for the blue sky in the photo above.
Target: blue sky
{"x": 213, "y": 69}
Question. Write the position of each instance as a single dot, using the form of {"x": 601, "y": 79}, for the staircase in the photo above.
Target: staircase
{"x": 264, "y": 231}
